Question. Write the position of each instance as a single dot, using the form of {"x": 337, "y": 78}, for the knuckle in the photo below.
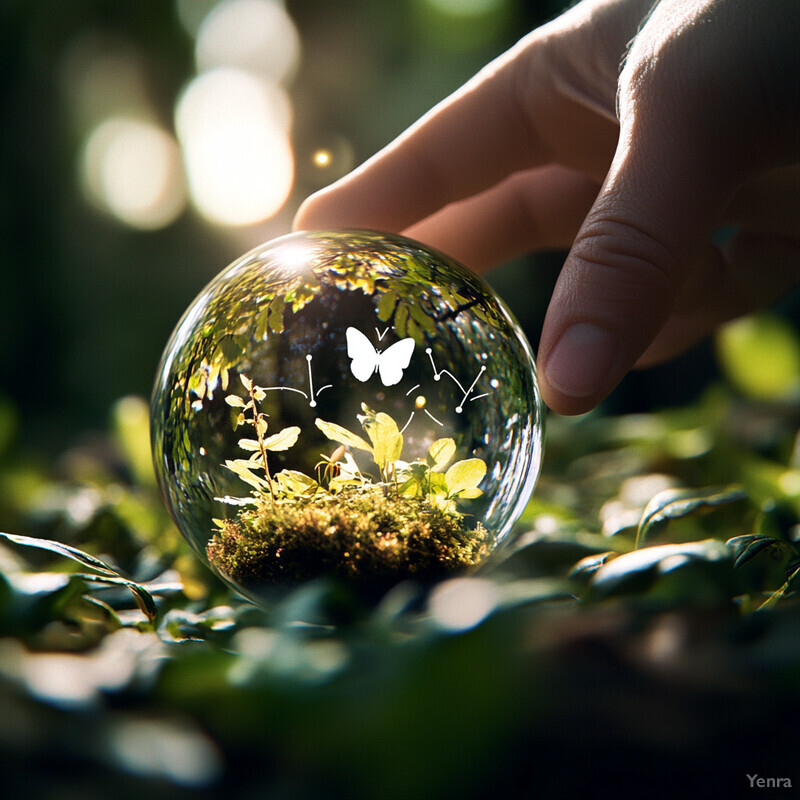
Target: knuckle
{"x": 628, "y": 259}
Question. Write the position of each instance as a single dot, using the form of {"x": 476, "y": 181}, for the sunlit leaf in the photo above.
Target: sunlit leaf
{"x": 747, "y": 547}
{"x": 464, "y": 476}
{"x": 243, "y": 471}
{"x": 638, "y": 569}
{"x": 760, "y": 354}
{"x": 773, "y": 599}
{"x": 293, "y": 482}
{"x": 440, "y": 453}
{"x": 62, "y": 549}
{"x": 234, "y": 400}
{"x": 107, "y": 574}
{"x": 282, "y": 440}
{"x": 337, "y": 433}
{"x": 589, "y": 565}
{"x": 675, "y": 503}
{"x": 249, "y": 444}
{"x": 142, "y": 596}
{"x": 387, "y": 441}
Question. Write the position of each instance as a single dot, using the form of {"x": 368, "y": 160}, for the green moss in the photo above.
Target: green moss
{"x": 369, "y": 538}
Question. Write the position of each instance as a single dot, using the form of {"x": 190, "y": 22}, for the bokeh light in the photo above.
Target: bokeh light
{"x": 462, "y": 603}
{"x": 257, "y": 36}
{"x": 234, "y": 132}
{"x": 132, "y": 170}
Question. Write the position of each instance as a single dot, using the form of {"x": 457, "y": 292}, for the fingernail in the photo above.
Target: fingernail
{"x": 581, "y": 360}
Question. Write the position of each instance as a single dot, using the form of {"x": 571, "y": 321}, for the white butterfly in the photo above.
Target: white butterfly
{"x": 366, "y": 360}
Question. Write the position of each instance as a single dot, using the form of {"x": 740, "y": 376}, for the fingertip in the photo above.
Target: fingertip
{"x": 580, "y": 368}
{"x": 313, "y": 212}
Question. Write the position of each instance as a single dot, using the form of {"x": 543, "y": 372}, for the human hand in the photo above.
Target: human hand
{"x": 531, "y": 154}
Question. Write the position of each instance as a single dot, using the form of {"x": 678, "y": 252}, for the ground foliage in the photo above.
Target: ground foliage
{"x": 640, "y": 634}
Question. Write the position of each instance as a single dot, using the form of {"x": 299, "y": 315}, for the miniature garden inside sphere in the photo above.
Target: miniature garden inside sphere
{"x": 347, "y": 404}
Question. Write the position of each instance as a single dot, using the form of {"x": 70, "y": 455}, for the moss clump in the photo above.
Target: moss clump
{"x": 371, "y": 539}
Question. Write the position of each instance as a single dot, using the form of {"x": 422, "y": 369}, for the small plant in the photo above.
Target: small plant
{"x": 419, "y": 478}
{"x": 261, "y": 445}
{"x": 372, "y": 529}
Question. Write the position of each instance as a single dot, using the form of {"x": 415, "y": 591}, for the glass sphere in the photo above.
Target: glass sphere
{"x": 347, "y": 404}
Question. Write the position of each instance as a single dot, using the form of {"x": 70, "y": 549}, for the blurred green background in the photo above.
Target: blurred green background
{"x": 147, "y": 144}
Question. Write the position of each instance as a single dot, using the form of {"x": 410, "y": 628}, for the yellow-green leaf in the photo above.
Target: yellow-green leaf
{"x": 387, "y": 441}
{"x": 386, "y": 306}
{"x": 760, "y": 355}
{"x": 276, "y": 314}
{"x": 282, "y": 440}
{"x": 464, "y": 476}
{"x": 440, "y": 453}
{"x": 291, "y": 481}
{"x": 337, "y": 433}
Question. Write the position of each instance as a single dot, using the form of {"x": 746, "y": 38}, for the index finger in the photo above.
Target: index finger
{"x": 470, "y": 141}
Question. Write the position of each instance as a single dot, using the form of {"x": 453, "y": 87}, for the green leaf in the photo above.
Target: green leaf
{"x": 387, "y": 441}
{"x": 386, "y": 306}
{"x": 760, "y": 354}
{"x": 276, "y": 308}
{"x": 243, "y": 470}
{"x": 339, "y": 434}
{"x": 107, "y": 573}
{"x": 141, "y": 595}
{"x": 440, "y": 453}
{"x": 589, "y": 565}
{"x": 675, "y": 503}
{"x": 777, "y": 595}
{"x": 62, "y": 550}
{"x": 419, "y": 315}
{"x": 463, "y": 477}
{"x": 416, "y": 483}
{"x": 746, "y": 547}
{"x": 638, "y": 569}
{"x": 437, "y": 485}
{"x": 400, "y": 319}
{"x": 293, "y": 482}
{"x": 282, "y": 440}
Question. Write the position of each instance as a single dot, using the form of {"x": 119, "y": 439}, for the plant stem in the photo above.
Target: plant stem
{"x": 257, "y": 416}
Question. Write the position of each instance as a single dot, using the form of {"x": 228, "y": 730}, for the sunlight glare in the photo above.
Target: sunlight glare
{"x": 132, "y": 170}
{"x": 234, "y": 133}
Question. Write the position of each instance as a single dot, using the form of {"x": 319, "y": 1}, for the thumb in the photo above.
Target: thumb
{"x": 648, "y": 227}
{"x": 674, "y": 171}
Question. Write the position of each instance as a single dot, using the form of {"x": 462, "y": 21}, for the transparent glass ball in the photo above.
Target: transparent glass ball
{"x": 345, "y": 404}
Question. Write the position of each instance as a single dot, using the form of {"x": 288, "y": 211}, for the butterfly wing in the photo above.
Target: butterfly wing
{"x": 393, "y": 360}
{"x": 364, "y": 357}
